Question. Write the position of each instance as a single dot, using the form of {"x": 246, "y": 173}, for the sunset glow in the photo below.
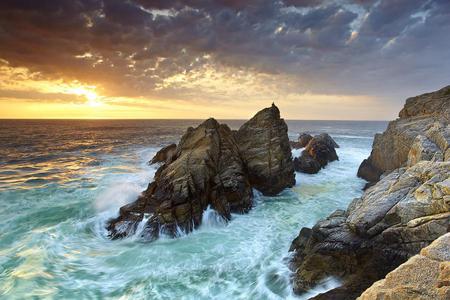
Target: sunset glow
{"x": 222, "y": 59}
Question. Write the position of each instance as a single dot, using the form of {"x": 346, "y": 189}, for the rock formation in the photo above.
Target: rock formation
{"x": 210, "y": 168}
{"x": 165, "y": 155}
{"x": 419, "y": 115}
{"x": 264, "y": 146}
{"x": 317, "y": 154}
{"x": 424, "y": 276}
{"x": 302, "y": 141}
{"x": 403, "y": 212}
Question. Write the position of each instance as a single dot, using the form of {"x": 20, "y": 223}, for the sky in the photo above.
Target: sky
{"x": 194, "y": 59}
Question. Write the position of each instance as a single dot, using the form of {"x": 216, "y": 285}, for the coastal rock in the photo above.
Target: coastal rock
{"x": 210, "y": 168}
{"x": 402, "y": 213}
{"x": 317, "y": 154}
{"x": 390, "y": 150}
{"x": 424, "y": 276}
{"x": 302, "y": 141}
{"x": 165, "y": 155}
{"x": 306, "y": 164}
{"x": 207, "y": 171}
{"x": 265, "y": 150}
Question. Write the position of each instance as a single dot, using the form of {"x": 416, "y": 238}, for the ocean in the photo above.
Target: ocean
{"x": 61, "y": 180}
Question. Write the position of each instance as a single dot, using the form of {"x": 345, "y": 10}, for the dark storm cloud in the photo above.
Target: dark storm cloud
{"x": 130, "y": 47}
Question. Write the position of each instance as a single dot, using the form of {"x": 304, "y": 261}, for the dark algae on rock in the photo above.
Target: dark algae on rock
{"x": 211, "y": 166}
{"x": 404, "y": 211}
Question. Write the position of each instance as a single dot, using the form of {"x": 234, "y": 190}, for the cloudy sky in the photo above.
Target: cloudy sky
{"x": 317, "y": 59}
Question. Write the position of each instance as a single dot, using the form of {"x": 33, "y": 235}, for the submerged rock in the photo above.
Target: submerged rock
{"x": 391, "y": 149}
{"x": 405, "y": 211}
{"x": 264, "y": 146}
{"x": 302, "y": 141}
{"x": 209, "y": 168}
{"x": 318, "y": 153}
{"x": 424, "y": 276}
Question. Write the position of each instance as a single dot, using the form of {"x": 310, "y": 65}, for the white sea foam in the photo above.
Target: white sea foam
{"x": 246, "y": 259}
{"x": 211, "y": 218}
{"x": 117, "y": 196}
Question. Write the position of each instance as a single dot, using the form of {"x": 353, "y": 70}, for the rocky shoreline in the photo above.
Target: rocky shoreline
{"x": 405, "y": 207}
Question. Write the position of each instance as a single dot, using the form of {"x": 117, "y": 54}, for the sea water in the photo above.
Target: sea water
{"x": 60, "y": 181}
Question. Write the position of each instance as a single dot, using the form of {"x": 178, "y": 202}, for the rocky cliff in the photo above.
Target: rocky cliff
{"x": 416, "y": 120}
{"x": 403, "y": 212}
{"x": 423, "y": 277}
{"x": 209, "y": 167}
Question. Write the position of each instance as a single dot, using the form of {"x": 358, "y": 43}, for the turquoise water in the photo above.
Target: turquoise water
{"x": 61, "y": 180}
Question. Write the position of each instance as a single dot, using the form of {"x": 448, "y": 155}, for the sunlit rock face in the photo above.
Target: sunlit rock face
{"x": 210, "y": 168}
{"x": 264, "y": 145}
{"x": 424, "y": 276}
{"x": 392, "y": 148}
{"x": 392, "y": 221}
{"x": 396, "y": 217}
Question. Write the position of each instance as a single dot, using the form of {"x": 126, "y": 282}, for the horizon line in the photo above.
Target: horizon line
{"x": 175, "y": 119}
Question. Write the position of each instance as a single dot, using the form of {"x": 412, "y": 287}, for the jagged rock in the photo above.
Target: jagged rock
{"x": 424, "y": 276}
{"x": 207, "y": 169}
{"x": 165, "y": 155}
{"x": 326, "y": 138}
{"x": 306, "y": 164}
{"x": 390, "y": 150}
{"x": 369, "y": 172}
{"x": 302, "y": 141}
{"x": 422, "y": 149}
{"x": 319, "y": 151}
{"x": 405, "y": 211}
{"x": 264, "y": 146}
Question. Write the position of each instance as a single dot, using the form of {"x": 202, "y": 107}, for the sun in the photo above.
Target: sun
{"x": 88, "y": 92}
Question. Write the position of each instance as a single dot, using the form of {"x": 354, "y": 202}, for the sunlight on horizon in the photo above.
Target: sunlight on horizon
{"x": 228, "y": 94}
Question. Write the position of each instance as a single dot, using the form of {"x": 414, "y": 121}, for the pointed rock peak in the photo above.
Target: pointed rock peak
{"x": 210, "y": 123}
{"x": 268, "y": 113}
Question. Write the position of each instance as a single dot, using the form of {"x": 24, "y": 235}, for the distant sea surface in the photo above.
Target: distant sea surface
{"x": 60, "y": 180}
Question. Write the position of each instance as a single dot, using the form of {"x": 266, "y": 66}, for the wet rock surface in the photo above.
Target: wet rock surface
{"x": 209, "y": 168}
{"x": 319, "y": 151}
